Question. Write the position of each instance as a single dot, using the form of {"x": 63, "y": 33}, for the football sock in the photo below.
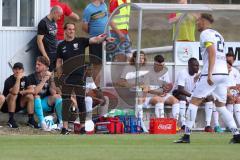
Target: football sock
{"x": 190, "y": 118}
{"x": 38, "y": 109}
{"x": 175, "y": 111}
{"x": 228, "y": 119}
{"x": 208, "y": 112}
{"x": 237, "y": 113}
{"x": 182, "y": 112}
{"x": 215, "y": 116}
{"x": 58, "y": 108}
{"x": 159, "y": 110}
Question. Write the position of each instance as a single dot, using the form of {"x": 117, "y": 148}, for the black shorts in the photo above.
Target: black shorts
{"x": 95, "y": 53}
{"x": 72, "y": 80}
{"x": 178, "y": 95}
{"x": 4, "y": 108}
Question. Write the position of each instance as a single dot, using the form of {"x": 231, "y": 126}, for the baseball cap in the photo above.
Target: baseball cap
{"x": 18, "y": 65}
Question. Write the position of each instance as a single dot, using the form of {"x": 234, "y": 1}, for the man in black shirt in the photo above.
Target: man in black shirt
{"x": 71, "y": 53}
{"x": 46, "y": 36}
{"x": 46, "y": 98}
{"x": 18, "y": 95}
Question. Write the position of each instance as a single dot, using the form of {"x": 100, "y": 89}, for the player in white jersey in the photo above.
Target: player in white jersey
{"x": 184, "y": 86}
{"x": 233, "y": 99}
{"x": 213, "y": 78}
{"x": 160, "y": 86}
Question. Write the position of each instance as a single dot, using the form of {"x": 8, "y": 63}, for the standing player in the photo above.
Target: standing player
{"x": 213, "y": 78}
{"x": 185, "y": 84}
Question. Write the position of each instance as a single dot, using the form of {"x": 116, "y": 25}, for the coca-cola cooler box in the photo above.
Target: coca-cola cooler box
{"x": 163, "y": 126}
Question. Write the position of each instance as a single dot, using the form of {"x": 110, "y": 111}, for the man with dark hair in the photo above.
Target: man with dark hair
{"x": 73, "y": 49}
{"x": 18, "y": 93}
{"x": 213, "y": 79}
{"x": 185, "y": 83}
{"x": 159, "y": 77}
{"x": 46, "y": 98}
{"x": 46, "y": 36}
{"x": 233, "y": 96}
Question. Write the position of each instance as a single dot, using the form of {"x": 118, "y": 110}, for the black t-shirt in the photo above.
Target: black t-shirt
{"x": 69, "y": 49}
{"x": 10, "y": 82}
{"x": 33, "y": 80}
{"x": 49, "y": 30}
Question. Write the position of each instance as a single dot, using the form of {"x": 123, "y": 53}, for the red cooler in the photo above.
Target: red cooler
{"x": 163, "y": 126}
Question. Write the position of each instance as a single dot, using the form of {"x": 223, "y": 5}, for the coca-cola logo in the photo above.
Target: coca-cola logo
{"x": 165, "y": 126}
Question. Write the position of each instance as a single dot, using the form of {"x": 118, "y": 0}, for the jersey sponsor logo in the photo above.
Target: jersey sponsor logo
{"x": 98, "y": 15}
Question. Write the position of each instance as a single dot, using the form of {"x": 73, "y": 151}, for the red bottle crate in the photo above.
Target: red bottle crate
{"x": 163, "y": 126}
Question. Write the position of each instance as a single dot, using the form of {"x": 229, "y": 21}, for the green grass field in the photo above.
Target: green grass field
{"x": 117, "y": 147}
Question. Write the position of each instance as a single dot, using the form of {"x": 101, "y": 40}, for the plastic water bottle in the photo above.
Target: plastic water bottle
{"x": 139, "y": 128}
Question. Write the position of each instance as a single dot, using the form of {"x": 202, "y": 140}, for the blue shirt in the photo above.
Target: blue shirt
{"x": 96, "y": 17}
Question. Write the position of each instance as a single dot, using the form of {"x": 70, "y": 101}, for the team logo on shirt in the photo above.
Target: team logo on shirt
{"x": 184, "y": 53}
{"x": 75, "y": 46}
{"x": 22, "y": 84}
{"x": 52, "y": 30}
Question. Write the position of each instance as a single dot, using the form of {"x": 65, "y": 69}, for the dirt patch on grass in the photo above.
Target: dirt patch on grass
{"x": 24, "y": 130}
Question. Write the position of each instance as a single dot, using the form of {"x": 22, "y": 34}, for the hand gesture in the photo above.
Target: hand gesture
{"x": 101, "y": 37}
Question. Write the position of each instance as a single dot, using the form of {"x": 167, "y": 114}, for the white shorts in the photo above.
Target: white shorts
{"x": 147, "y": 100}
{"x": 218, "y": 90}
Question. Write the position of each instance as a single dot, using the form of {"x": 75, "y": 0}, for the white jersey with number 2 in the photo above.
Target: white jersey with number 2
{"x": 212, "y": 36}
